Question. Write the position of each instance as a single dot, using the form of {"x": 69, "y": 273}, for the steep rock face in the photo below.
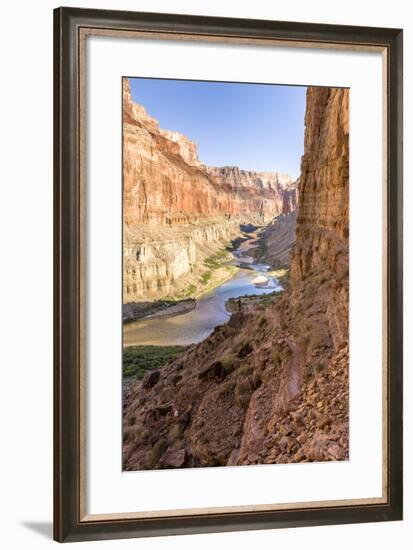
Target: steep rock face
{"x": 187, "y": 148}
{"x": 164, "y": 182}
{"x": 323, "y": 217}
{"x": 271, "y": 385}
{"x": 157, "y": 261}
{"x": 290, "y": 197}
{"x": 236, "y": 179}
{"x": 160, "y": 186}
{"x": 266, "y": 193}
{"x": 199, "y": 209}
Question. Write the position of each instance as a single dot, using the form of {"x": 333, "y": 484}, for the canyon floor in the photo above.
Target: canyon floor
{"x": 213, "y": 270}
{"x": 231, "y": 272}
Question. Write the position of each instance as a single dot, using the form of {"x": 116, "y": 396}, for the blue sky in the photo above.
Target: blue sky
{"x": 253, "y": 126}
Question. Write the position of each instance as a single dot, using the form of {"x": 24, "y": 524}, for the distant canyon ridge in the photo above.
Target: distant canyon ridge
{"x": 179, "y": 212}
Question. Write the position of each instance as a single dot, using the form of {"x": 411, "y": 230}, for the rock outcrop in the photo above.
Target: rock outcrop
{"x": 271, "y": 385}
{"x": 198, "y": 208}
{"x": 164, "y": 262}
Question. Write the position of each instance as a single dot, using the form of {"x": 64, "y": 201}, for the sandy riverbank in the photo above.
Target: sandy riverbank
{"x": 135, "y": 311}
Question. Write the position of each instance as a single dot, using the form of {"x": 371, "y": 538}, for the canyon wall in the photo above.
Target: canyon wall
{"x": 165, "y": 183}
{"x": 271, "y": 385}
{"x": 165, "y": 262}
{"x": 323, "y": 217}
{"x": 266, "y": 194}
{"x": 178, "y": 211}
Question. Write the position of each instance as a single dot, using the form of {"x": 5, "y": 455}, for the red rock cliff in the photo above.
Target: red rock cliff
{"x": 165, "y": 183}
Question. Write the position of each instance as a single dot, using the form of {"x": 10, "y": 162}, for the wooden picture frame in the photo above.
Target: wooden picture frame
{"x": 71, "y": 26}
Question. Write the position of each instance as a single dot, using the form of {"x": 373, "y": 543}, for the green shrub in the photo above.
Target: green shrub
{"x": 276, "y": 356}
{"x": 138, "y": 360}
{"x": 217, "y": 259}
{"x": 245, "y": 370}
{"x": 262, "y": 322}
{"x": 229, "y": 364}
{"x": 206, "y": 277}
{"x": 189, "y": 291}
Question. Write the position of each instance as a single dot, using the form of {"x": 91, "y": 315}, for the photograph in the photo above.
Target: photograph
{"x": 235, "y": 268}
{"x": 228, "y": 273}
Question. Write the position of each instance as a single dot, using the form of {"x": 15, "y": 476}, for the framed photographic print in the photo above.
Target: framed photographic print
{"x": 228, "y": 274}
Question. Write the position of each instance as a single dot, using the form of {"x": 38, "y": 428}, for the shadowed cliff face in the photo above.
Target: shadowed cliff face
{"x": 321, "y": 248}
{"x": 271, "y": 385}
{"x": 177, "y": 211}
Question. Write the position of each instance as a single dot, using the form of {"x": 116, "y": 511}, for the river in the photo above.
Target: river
{"x": 194, "y": 326}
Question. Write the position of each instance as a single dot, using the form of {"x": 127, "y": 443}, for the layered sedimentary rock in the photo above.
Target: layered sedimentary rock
{"x": 290, "y": 197}
{"x": 271, "y": 385}
{"x": 199, "y": 209}
{"x": 165, "y": 183}
{"x": 161, "y": 262}
{"x": 321, "y": 248}
{"x": 266, "y": 194}
{"x": 234, "y": 178}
